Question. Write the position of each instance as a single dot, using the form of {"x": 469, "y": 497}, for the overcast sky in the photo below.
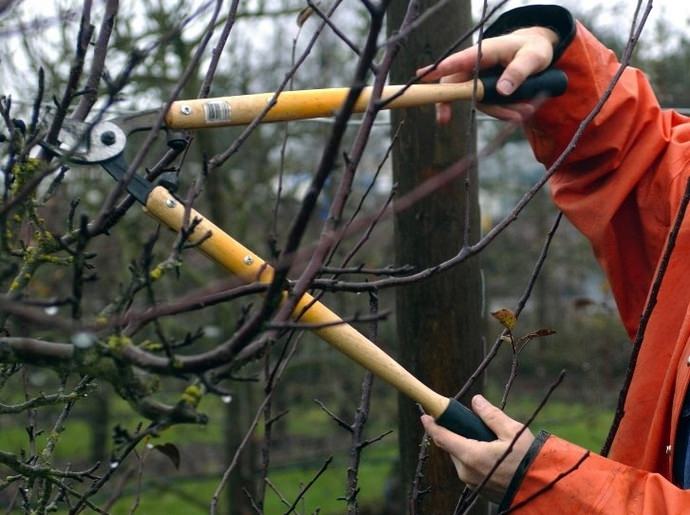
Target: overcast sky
{"x": 676, "y": 11}
{"x": 617, "y": 15}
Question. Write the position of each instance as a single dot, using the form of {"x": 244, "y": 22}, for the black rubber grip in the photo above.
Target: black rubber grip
{"x": 464, "y": 422}
{"x": 549, "y": 83}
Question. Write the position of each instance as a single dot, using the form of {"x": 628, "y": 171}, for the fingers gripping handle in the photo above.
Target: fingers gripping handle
{"x": 464, "y": 422}
{"x": 549, "y": 83}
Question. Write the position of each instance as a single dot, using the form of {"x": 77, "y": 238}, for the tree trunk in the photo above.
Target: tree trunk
{"x": 438, "y": 320}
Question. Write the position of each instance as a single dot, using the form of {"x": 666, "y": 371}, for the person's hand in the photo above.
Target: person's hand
{"x": 522, "y": 53}
{"x": 474, "y": 459}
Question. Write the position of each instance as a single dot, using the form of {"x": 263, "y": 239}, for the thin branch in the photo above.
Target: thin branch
{"x": 221, "y": 158}
{"x": 90, "y": 91}
{"x": 76, "y": 69}
{"x": 548, "y": 486}
{"x": 646, "y": 316}
{"x": 153, "y": 429}
{"x": 277, "y": 492}
{"x": 417, "y": 491}
{"x": 217, "y": 52}
{"x": 347, "y": 427}
{"x": 471, "y": 498}
{"x": 102, "y": 218}
{"x": 250, "y": 431}
{"x": 306, "y": 487}
{"x": 326, "y": 18}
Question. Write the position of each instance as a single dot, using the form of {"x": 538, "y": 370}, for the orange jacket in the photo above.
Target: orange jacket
{"x": 621, "y": 187}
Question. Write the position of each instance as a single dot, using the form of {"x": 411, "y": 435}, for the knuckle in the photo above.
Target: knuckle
{"x": 535, "y": 56}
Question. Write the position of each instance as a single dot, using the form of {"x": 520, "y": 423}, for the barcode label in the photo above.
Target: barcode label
{"x": 216, "y": 112}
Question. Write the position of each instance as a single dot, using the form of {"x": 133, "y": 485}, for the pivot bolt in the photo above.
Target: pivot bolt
{"x": 248, "y": 260}
{"x": 170, "y": 203}
{"x": 186, "y": 110}
{"x": 108, "y": 138}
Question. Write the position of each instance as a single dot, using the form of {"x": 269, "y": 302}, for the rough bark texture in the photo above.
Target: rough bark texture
{"x": 438, "y": 321}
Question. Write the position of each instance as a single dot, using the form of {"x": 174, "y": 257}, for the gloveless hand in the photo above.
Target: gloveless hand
{"x": 474, "y": 459}
{"x": 522, "y": 53}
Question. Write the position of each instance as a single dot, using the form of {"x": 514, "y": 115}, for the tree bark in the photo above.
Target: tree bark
{"x": 438, "y": 320}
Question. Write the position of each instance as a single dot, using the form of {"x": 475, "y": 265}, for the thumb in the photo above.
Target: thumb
{"x": 500, "y": 423}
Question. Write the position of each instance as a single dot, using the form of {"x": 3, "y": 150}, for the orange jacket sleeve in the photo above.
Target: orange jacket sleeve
{"x": 622, "y": 184}
{"x": 565, "y": 478}
{"x": 621, "y": 187}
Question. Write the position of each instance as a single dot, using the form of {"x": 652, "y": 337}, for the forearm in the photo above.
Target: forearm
{"x": 625, "y": 163}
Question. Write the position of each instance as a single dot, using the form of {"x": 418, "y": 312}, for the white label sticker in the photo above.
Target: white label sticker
{"x": 217, "y": 111}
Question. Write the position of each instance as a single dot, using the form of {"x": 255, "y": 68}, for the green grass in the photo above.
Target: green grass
{"x": 191, "y": 497}
{"x": 73, "y": 441}
{"x": 581, "y": 424}
{"x": 173, "y": 493}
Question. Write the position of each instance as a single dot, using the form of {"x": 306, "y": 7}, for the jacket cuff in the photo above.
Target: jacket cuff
{"x": 553, "y": 17}
{"x": 520, "y": 472}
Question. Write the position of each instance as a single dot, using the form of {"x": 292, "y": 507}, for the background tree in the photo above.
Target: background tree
{"x": 439, "y": 320}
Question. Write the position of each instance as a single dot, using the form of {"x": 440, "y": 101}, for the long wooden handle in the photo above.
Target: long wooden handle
{"x": 249, "y": 267}
{"x": 301, "y": 105}
{"x": 315, "y": 103}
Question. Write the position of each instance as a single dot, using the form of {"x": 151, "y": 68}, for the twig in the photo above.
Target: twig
{"x": 40, "y": 401}
{"x": 109, "y": 203}
{"x": 361, "y": 269}
{"x": 347, "y": 427}
{"x": 219, "y": 159}
{"x": 277, "y": 492}
{"x": 471, "y": 498}
{"x": 548, "y": 486}
{"x": 646, "y": 315}
{"x": 306, "y": 487}
{"x": 153, "y": 429}
{"x": 417, "y": 491}
{"x": 90, "y": 91}
{"x": 428, "y": 14}
{"x": 76, "y": 69}
{"x": 345, "y": 320}
{"x": 635, "y": 32}
{"x": 491, "y": 354}
{"x": 205, "y": 88}
{"x": 357, "y": 428}
{"x": 326, "y": 18}
{"x": 259, "y": 413}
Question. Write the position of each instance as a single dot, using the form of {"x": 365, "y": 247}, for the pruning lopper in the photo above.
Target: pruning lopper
{"x": 104, "y": 144}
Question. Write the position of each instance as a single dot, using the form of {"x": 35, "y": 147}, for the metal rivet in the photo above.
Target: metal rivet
{"x": 170, "y": 203}
{"x": 108, "y": 138}
{"x": 669, "y": 448}
{"x": 186, "y": 110}
{"x": 248, "y": 260}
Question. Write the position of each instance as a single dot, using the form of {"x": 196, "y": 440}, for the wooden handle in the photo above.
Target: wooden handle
{"x": 299, "y": 105}
{"x": 314, "y": 103}
{"x": 249, "y": 267}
